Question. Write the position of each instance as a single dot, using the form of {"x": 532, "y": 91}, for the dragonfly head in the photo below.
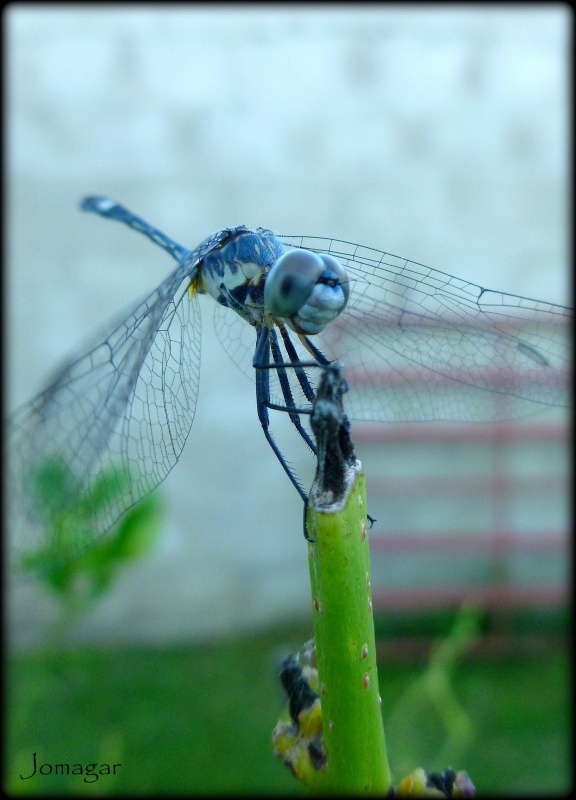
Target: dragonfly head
{"x": 307, "y": 290}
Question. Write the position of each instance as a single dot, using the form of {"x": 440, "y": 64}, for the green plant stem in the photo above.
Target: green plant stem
{"x": 346, "y": 648}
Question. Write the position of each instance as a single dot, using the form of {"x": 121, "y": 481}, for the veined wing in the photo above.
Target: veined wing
{"x": 423, "y": 345}
{"x": 419, "y": 344}
{"x": 111, "y": 425}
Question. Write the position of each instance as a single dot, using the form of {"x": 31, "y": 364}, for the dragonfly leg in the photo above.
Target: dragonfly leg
{"x": 313, "y": 350}
{"x": 305, "y": 384}
{"x": 298, "y": 366}
{"x": 261, "y": 359}
{"x": 287, "y": 391}
{"x": 267, "y": 345}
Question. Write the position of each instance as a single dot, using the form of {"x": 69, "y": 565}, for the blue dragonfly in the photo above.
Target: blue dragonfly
{"x": 418, "y": 345}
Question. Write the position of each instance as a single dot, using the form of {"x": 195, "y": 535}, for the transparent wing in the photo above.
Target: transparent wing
{"x": 419, "y": 344}
{"x": 111, "y": 425}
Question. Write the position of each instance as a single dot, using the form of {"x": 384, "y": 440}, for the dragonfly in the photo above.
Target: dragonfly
{"x": 418, "y": 345}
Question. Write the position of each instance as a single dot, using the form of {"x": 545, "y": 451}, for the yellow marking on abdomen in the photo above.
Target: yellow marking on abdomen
{"x": 196, "y": 285}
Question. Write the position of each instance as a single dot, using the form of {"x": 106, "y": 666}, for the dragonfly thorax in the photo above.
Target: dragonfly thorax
{"x": 234, "y": 272}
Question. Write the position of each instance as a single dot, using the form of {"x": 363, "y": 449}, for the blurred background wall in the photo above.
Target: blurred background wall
{"x": 436, "y": 133}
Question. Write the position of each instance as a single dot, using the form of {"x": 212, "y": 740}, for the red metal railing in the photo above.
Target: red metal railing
{"x": 501, "y": 542}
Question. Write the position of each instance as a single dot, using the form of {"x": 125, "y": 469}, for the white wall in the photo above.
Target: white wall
{"x": 435, "y": 133}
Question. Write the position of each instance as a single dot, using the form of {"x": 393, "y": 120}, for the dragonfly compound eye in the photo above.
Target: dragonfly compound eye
{"x": 290, "y": 282}
{"x": 306, "y": 289}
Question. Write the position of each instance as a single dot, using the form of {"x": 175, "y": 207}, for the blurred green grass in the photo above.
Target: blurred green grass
{"x": 198, "y": 719}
